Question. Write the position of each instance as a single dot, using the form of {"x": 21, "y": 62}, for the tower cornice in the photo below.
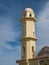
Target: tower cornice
{"x": 28, "y": 18}
{"x": 28, "y": 38}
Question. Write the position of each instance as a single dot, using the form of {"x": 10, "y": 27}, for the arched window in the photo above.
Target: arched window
{"x": 33, "y": 32}
{"x": 23, "y": 52}
{"x": 32, "y": 49}
{"x": 23, "y": 49}
{"x": 30, "y": 15}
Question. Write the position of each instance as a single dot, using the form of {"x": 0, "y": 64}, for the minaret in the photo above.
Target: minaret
{"x": 28, "y": 35}
{"x": 28, "y": 31}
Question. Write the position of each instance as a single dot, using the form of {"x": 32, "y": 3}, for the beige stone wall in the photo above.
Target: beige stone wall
{"x": 28, "y": 31}
{"x": 23, "y": 54}
{"x": 24, "y": 29}
{"x": 31, "y": 62}
{"x": 24, "y": 63}
{"x": 29, "y": 53}
{"x": 28, "y": 44}
{"x": 34, "y": 62}
{"x": 30, "y": 28}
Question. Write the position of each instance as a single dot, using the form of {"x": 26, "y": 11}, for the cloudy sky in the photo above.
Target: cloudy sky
{"x": 11, "y": 27}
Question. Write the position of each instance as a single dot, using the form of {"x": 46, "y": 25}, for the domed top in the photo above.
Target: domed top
{"x": 28, "y": 13}
{"x": 29, "y": 10}
{"x": 44, "y": 51}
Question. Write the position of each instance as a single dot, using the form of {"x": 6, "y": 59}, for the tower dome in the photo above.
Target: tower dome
{"x": 29, "y": 13}
{"x": 29, "y": 10}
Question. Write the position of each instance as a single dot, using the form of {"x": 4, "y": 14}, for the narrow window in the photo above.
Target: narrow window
{"x": 23, "y": 49}
{"x": 23, "y": 53}
{"x": 30, "y": 15}
{"x": 33, "y": 33}
{"x": 32, "y": 49}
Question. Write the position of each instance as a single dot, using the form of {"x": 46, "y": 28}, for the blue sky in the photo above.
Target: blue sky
{"x": 11, "y": 27}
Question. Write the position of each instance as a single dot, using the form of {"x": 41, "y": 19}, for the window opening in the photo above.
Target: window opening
{"x": 32, "y": 49}
{"x": 30, "y": 15}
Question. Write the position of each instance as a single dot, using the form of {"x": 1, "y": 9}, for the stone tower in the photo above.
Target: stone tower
{"x": 28, "y": 36}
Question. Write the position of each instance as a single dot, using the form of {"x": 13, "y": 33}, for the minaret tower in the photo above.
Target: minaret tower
{"x": 28, "y": 35}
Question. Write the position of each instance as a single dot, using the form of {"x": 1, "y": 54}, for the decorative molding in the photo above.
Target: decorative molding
{"x": 28, "y": 18}
{"x": 29, "y": 38}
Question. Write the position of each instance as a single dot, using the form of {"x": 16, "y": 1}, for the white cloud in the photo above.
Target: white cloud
{"x": 7, "y": 33}
{"x": 8, "y": 53}
{"x": 43, "y": 27}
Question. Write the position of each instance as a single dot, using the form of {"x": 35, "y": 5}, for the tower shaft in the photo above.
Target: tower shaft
{"x": 28, "y": 38}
